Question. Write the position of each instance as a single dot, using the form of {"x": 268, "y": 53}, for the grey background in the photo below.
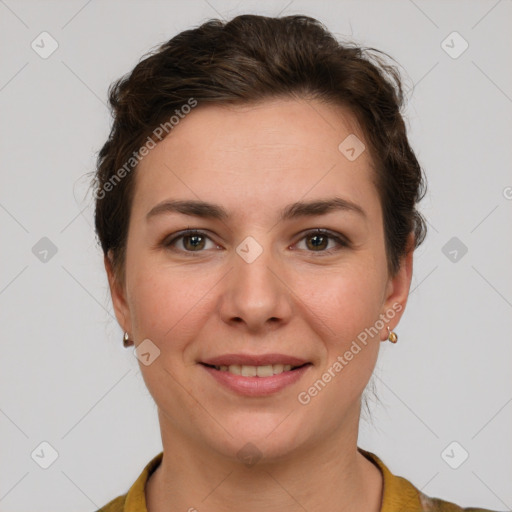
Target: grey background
{"x": 65, "y": 377}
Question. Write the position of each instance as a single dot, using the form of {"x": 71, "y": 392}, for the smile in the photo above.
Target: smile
{"x": 260, "y": 380}
{"x": 256, "y": 371}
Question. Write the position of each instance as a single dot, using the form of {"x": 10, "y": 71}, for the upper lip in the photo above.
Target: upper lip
{"x": 253, "y": 360}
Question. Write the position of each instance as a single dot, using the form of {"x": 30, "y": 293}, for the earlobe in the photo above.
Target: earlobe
{"x": 117, "y": 293}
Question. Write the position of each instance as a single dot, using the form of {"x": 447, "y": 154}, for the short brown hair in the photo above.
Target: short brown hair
{"x": 248, "y": 59}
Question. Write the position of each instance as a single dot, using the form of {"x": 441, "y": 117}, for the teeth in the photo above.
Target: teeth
{"x": 255, "y": 371}
{"x": 249, "y": 371}
{"x": 234, "y": 368}
{"x": 264, "y": 371}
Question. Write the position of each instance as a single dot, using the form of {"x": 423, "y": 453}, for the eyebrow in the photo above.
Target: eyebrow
{"x": 295, "y": 210}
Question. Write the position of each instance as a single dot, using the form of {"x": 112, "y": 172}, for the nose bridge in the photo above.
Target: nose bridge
{"x": 255, "y": 294}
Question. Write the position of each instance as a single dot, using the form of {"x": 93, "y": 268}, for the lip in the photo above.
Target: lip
{"x": 257, "y": 386}
{"x": 254, "y": 360}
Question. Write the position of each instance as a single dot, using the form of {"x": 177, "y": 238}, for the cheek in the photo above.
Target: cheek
{"x": 349, "y": 307}
{"x": 346, "y": 300}
{"x": 170, "y": 303}
{"x": 167, "y": 303}
{"x": 349, "y": 310}
{"x": 154, "y": 304}
{"x": 360, "y": 299}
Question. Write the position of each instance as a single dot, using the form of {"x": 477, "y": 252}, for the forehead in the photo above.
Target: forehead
{"x": 308, "y": 125}
{"x": 272, "y": 151}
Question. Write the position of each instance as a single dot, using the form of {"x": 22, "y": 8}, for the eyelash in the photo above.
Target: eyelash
{"x": 341, "y": 241}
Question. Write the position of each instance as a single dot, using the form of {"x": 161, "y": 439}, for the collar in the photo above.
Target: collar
{"x": 398, "y": 493}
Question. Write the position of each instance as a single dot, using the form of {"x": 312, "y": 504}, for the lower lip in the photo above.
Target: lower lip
{"x": 257, "y": 386}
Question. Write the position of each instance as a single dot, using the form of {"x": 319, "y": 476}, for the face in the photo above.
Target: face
{"x": 256, "y": 286}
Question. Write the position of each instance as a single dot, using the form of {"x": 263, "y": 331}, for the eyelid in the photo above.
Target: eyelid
{"x": 339, "y": 238}
{"x": 169, "y": 241}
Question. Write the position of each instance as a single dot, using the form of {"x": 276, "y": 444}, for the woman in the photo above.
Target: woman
{"x": 256, "y": 206}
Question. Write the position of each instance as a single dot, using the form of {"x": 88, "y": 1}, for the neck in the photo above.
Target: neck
{"x": 332, "y": 476}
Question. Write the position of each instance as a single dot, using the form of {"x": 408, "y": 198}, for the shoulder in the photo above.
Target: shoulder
{"x": 134, "y": 500}
{"x": 429, "y": 504}
{"x": 400, "y": 495}
{"x": 116, "y": 505}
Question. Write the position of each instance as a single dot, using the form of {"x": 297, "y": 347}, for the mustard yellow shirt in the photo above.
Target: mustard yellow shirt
{"x": 399, "y": 495}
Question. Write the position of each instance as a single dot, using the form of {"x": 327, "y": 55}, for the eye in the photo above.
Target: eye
{"x": 190, "y": 240}
{"x": 318, "y": 241}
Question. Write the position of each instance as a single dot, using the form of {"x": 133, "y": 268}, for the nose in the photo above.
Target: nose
{"x": 256, "y": 296}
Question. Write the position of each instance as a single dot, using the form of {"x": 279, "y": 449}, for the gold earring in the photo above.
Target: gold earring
{"x": 126, "y": 340}
{"x": 392, "y": 336}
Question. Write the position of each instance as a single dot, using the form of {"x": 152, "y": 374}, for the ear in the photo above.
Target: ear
{"x": 397, "y": 291}
{"x": 118, "y": 294}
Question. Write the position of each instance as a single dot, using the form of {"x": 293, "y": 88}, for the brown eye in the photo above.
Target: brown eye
{"x": 318, "y": 241}
{"x": 195, "y": 242}
{"x": 188, "y": 241}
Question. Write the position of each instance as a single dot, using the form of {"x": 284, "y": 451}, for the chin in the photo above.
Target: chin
{"x": 263, "y": 437}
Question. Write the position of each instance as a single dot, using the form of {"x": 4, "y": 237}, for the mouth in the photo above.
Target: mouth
{"x": 267, "y": 370}
{"x": 256, "y": 376}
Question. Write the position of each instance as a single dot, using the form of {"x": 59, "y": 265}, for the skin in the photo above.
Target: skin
{"x": 294, "y": 298}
